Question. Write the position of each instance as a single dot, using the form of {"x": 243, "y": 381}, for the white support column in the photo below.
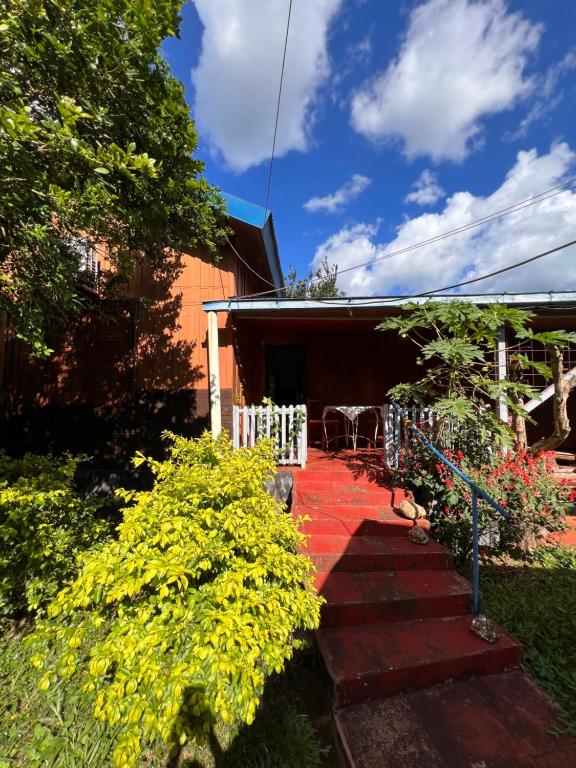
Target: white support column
{"x": 502, "y": 366}
{"x": 214, "y": 375}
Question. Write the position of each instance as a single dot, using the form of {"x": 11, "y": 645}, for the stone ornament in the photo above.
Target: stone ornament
{"x": 484, "y": 628}
{"x": 410, "y": 510}
{"x": 417, "y": 535}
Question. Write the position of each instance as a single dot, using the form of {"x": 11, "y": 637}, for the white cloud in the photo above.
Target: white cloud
{"x": 425, "y": 190}
{"x": 478, "y": 251}
{"x": 459, "y": 62}
{"x": 237, "y": 77}
{"x": 548, "y": 94}
{"x": 337, "y": 201}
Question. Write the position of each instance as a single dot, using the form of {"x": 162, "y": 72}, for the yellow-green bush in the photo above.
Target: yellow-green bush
{"x": 44, "y": 525}
{"x": 197, "y": 600}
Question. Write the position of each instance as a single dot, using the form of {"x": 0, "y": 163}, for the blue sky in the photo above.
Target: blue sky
{"x": 399, "y": 121}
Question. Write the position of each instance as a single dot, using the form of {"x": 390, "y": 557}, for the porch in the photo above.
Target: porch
{"x": 325, "y": 357}
{"x": 334, "y": 367}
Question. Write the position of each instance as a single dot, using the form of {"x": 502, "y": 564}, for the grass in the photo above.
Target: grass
{"x": 60, "y": 732}
{"x": 536, "y": 601}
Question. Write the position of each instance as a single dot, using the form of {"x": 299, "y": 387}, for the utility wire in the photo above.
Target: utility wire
{"x": 465, "y": 227}
{"x": 540, "y": 197}
{"x": 369, "y": 302}
{"x": 258, "y": 275}
{"x": 278, "y": 109}
{"x": 499, "y": 271}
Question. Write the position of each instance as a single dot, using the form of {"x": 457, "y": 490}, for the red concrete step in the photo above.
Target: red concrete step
{"x": 499, "y": 721}
{"x": 357, "y": 495}
{"x": 363, "y": 598}
{"x": 329, "y": 523}
{"x": 374, "y": 553}
{"x": 335, "y": 474}
{"x": 374, "y": 660}
{"x": 346, "y": 511}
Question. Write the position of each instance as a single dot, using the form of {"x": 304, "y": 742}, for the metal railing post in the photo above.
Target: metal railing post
{"x": 476, "y": 493}
{"x": 475, "y": 556}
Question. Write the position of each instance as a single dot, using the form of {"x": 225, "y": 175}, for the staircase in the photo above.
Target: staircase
{"x": 412, "y": 685}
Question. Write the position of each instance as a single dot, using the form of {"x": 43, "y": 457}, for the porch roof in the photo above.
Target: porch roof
{"x": 549, "y": 301}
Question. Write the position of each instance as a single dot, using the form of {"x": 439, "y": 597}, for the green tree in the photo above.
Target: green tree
{"x": 457, "y": 343}
{"x": 321, "y": 283}
{"x": 95, "y": 140}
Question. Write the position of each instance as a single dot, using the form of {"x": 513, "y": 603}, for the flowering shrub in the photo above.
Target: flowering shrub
{"x": 181, "y": 620}
{"x": 522, "y": 484}
{"x": 44, "y": 525}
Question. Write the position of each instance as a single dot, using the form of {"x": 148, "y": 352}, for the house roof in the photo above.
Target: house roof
{"x": 260, "y": 220}
{"x": 552, "y": 299}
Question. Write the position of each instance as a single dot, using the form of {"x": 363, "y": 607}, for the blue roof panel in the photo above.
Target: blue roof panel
{"x": 242, "y": 210}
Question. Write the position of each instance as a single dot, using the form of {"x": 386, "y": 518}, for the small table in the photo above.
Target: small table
{"x": 351, "y": 414}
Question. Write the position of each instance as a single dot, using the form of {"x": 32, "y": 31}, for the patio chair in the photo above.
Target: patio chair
{"x": 316, "y": 435}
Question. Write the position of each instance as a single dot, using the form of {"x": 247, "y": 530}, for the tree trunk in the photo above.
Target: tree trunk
{"x": 518, "y": 422}
{"x": 562, "y": 389}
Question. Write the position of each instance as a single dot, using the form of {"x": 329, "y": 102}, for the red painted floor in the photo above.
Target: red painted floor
{"x": 568, "y": 537}
{"x": 412, "y": 685}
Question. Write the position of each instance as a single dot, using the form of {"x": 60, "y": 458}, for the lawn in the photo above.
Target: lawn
{"x": 60, "y": 732}
{"x": 536, "y": 601}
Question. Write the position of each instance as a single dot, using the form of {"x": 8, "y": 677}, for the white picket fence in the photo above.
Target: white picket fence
{"x": 287, "y": 425}
{"x": 394, "y": 432}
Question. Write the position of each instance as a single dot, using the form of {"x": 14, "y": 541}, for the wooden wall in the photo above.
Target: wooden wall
{"x": 127, "y": 368}
{"x": 346, "y": 363}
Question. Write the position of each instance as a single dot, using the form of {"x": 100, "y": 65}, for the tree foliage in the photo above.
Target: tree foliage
{"x": 458, "y": 343}
{"x": 321, "y": 283}
{"x": 192, "y": 607}
{"x": 95, "y": 140}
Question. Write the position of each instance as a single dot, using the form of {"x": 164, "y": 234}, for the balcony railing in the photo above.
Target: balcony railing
{"x": 286, "y": 425}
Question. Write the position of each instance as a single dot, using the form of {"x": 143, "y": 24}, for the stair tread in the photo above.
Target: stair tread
{"x": 369, "y": 545}
{"x": 328, "y": 524}
{"x": 357, "y": 651}
{"x": 341, "y": 587}
{"x": 348, "y": 512}
{"x": 496, "y": 721}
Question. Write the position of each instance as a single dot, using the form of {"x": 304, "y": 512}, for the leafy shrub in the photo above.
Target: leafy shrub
{"x": 522, "y": 484}
{"x": 44, "y": 525}
{"x": 199, "y": 600}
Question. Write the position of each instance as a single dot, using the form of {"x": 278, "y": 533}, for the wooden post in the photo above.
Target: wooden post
{"x": 214, "y": 375}
{"x": 502, "y": 407}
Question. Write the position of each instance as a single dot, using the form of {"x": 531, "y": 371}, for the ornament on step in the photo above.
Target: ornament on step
{"x": 410, "y": 510}
{"x": 407, "y": 509}
{"x": 484, "y": 628}
{"x": 421, "y": 511}
{"x": 417, "y": 535}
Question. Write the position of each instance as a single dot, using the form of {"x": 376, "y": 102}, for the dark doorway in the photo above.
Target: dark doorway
{"x": 285, "y": 381}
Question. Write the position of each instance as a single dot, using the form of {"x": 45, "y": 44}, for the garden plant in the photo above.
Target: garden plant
{"x": 44, "y": 526}
{"x": 177, "y": 624}
{"x": 457, "y": 342}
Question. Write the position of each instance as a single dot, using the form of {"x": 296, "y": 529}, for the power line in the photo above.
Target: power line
{"x": 370, "y": 302}
{"x": 500, "y": 271}
{"x": 528, "y": 202}
{"x": 472, "y": 280}
{"x": 471, "y": 225}
{"x": 278, "y": 108}
{"x": 258, "y": 275}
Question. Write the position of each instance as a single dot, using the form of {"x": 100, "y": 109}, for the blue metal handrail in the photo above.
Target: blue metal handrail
{"x": 477, "y": 492}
